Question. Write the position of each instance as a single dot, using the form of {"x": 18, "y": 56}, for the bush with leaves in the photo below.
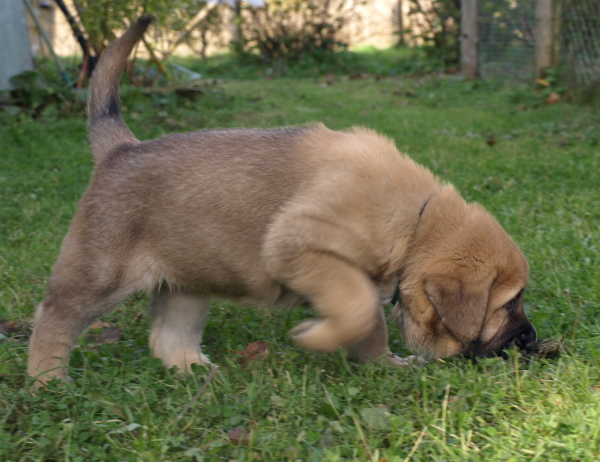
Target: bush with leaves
{"x": 103, "y": 20}
{"x": 176, "y": 23}
{"x": 41, "y": 93}
{"x": 288, "y": 30}
{"x": 437, "y": 25}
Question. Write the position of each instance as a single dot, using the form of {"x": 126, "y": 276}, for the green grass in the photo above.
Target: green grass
{"x": 539, "y": 178}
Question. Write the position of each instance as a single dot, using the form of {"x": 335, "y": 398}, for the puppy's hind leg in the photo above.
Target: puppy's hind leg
{"x": 72, "y": 303}
{"x": 177, "y": 324}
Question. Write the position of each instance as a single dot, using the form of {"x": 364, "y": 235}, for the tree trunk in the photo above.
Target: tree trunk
{"x": 398, "y": 15}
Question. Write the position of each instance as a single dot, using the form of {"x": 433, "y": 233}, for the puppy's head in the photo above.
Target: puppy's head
{"x": 462, "y": 287}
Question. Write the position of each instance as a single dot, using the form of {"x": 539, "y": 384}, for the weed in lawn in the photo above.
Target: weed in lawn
{"x": 540, "y": 178}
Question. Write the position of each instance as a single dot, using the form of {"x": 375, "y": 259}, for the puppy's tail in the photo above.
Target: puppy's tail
{"x": 106, "y": 126}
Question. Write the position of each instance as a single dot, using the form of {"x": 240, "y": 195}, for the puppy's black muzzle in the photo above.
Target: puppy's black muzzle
{"x": 526, "y": 340}
{"x": 523, "y": 339}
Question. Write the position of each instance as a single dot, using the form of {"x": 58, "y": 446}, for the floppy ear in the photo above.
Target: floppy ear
{"x": 461, "y": 306}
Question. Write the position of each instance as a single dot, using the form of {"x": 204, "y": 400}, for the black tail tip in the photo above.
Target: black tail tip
{"x": 145, "y": 21}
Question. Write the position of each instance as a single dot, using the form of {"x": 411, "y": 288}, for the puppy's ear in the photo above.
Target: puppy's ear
{"x": 461, "y": 305}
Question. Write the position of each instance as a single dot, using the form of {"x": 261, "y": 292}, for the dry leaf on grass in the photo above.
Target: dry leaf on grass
{"x": 7, "y": 327}
{"x": 99, "y": 325}
{"x": 543, "y": 82}
{"x": 238, "y": 435}
{"x": 254, "y": 351}
{"x": 14, "y": 330}
{"x": 110, "y": 334}
{"x": 553, "y": 98}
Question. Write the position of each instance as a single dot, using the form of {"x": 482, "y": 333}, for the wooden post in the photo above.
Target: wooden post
{"x": 235, "y": 26}
{"x": 469, "y": 38}
{"x": 544, "y": 37}
{"x": 15, "y": 52}
{"x": 398, "y": 21}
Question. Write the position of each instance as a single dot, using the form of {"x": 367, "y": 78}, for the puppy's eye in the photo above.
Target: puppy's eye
{"x": 512, "y": 305}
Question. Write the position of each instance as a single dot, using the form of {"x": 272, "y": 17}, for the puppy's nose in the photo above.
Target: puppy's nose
{"x": 526, "y": 340}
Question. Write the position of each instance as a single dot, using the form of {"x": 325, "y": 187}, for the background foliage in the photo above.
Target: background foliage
{"x": 437, "y": 26}
{"x": 289, "y": 30}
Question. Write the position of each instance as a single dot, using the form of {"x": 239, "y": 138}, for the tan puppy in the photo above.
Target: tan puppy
{"x": 275, "y": 218}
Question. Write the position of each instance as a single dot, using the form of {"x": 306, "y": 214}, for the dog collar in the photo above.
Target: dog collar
{"x": 396, "y": 296}
{"x": 424, "y": 205}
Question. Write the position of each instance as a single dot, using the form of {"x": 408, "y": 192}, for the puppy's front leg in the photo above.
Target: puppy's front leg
{"x": 345, "y": 297}
{"x": 177, "y": 326}
{"x": 372, "y": 347}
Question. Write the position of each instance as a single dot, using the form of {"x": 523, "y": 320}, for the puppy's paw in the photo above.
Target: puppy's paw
{"x": 316, "y": 334}
{"x": 411, "y": 360}
{"x": 41, "y": 382}
{"x": 183, "y": 361}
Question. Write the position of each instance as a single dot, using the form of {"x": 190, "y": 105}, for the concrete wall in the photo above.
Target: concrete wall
{"x": 15, "y": 52}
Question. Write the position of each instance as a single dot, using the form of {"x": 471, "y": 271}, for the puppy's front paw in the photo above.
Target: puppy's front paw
{"x": 316, "y": 334}
{"x": 183, "y": 360}
{"x": 411, "y": 360}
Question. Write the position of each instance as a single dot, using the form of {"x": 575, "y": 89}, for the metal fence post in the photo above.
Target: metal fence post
{"x": 469, "y": 38}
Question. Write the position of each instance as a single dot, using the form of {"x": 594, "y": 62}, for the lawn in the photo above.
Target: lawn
{"x": 534, "y": 166}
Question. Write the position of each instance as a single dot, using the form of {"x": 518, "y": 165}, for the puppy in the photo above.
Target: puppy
{"x": 279, "y": 217}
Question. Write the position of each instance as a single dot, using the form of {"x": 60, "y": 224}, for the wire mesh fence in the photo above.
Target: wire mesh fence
{"x": 579, "y": 52}
{"x": 506, "y": 39}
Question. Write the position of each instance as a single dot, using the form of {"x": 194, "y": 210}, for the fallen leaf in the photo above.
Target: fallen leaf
{"x": 18, "y": 332}
{"x": 553, "y": 98}
{"x": 110, "y": 334}
{"x": 5, "y": 327}
{"x": 254, "y": 351}
{"x": 238, "y": 435}
{"x": 99, "y": 325}
{"x": 543, "y": 82}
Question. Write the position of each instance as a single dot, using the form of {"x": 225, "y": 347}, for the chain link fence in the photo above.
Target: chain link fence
{"x": 579, "y": 52}
{"x": 507, "y": 41}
